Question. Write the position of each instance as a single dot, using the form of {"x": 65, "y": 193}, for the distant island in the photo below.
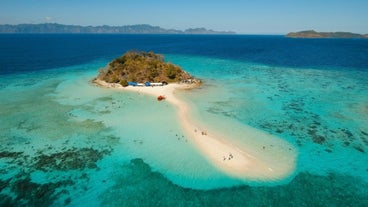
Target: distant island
{"x": 142, "y": 67}
{"x": 54, "y": 28}
{"x": 314, "y": 34}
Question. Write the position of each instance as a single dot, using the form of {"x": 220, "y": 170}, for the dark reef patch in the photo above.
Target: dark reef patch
{"x": 4, "y": 184}
{"x": 28, "y": 193}
{"x": 6, "y": 200}
{"x": 318, "y": 139}
{"x": 140, "y": 186}
{"x": 71, "y": 159}
{"x": 359, "y": 148}
{"x": 7, "y": 154}
{"x": 33, "y": 194}
{"x": 328, "y": 150}
{"x": 21, "y": 190}
{"x": 312, "y": 127}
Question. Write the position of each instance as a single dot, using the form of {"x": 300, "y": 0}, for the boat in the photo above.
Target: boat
{"x": 161, "y": 97}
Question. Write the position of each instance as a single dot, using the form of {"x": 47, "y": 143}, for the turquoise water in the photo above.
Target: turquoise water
{"x": 323, "y": 112}
{"x": 98, "y": 144}
{"x": 67, "y": 142}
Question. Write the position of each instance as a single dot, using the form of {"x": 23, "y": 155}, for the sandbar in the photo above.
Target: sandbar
{"x": 263, "y": 157}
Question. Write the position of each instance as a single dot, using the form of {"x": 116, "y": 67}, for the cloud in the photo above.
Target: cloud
{"x": 47, "y": 19}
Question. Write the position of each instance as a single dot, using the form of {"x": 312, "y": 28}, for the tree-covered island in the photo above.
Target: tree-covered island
{"x": 314, "y": 34}
{"x": 142, "y": 67}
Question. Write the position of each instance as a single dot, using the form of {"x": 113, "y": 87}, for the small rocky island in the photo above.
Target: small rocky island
{"x": 314, "y": 34}
{"x": 138, "y": 67}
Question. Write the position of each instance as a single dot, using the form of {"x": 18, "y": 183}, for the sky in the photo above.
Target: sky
{"x": 241, "y": 16}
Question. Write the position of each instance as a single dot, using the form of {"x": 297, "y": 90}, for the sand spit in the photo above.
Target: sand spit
{"x": 262, "y": 157}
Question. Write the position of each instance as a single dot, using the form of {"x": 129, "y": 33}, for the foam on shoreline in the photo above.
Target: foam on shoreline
{"x": 250, "y": 160}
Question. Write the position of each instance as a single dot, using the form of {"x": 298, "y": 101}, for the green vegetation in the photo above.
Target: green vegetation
{"x": 142, "y": 67}
{"x": 314, "y": 34}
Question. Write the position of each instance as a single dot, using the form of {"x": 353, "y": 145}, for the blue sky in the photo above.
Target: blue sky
{"x": 246, "y": 16}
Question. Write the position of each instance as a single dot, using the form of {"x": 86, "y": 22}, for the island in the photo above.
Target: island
{"x": 314, "y": 34}
{"x": 55, "y": 28}
{"x": 138, "y": 68}
{"x": 239, "y": 151}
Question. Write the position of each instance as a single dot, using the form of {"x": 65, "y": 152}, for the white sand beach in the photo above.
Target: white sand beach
{"x": 254, "y": 160}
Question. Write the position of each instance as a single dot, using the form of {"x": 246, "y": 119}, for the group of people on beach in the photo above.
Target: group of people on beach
{"x": 204, "y": 133}
{"x": 228, "y": 158}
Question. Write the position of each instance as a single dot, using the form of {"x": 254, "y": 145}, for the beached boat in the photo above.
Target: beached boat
{"x": 160, "y": 98}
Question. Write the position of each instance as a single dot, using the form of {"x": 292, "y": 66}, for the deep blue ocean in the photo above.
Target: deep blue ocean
{"x": 20, "y": 53}
{"x": 66, "y": 142}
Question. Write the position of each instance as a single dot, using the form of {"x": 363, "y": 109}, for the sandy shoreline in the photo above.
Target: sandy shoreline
{"x": 240, "y": 160}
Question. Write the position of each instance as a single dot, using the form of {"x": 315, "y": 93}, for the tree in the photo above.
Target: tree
{"x": 124, "y": 83}
{"x": 141, "y": 67}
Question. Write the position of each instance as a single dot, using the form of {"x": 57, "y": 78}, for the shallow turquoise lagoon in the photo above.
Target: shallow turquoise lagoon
{"x": 67, "y": 142}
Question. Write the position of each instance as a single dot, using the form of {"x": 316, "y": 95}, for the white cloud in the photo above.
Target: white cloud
{"x": 47, "y": 19}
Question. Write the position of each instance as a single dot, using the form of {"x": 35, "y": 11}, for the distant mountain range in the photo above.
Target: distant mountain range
{"x": 74, "y": 29}
{"x": 314, "y": 34}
